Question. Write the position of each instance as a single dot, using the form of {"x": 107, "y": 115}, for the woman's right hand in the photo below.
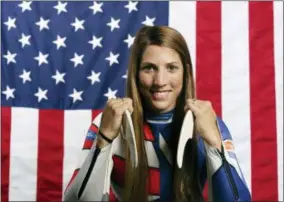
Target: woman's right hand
{"x": 112, "y": 116}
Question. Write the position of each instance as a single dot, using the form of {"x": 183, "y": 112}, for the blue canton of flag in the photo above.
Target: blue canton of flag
{"x": 69, "y": 55}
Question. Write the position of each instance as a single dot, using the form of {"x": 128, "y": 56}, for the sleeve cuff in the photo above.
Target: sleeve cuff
{"x": 213, "y": 158}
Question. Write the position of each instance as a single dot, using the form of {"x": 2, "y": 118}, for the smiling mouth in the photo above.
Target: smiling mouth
{"x": 160, "y": 95}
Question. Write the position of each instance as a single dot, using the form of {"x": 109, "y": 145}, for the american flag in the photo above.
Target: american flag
{"x": 61, "y": 61}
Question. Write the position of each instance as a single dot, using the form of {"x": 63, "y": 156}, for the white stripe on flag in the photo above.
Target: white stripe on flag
{"x": 278, "y": 45}
{"x": 23, "y": 156}
{"x": 235, "y": 80}
{"x": 76, "y": 125}
{"x": 182, "y": 17}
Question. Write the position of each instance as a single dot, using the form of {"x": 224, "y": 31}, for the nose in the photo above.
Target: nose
{"x": 160, "y": 78}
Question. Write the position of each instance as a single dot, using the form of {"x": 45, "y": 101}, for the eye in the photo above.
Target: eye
{"x": 172, "y": 68}
{"x": 147, "y": 68}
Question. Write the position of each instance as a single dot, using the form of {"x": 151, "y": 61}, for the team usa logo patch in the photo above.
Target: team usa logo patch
{"x": 92, "y": 132}
{"x": 91, "y": 136}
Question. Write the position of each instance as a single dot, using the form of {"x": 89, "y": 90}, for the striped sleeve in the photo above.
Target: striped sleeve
{"x": 90, "y": 168}
{"x": 225, "y": 178}
{"x": 88, "y": 143}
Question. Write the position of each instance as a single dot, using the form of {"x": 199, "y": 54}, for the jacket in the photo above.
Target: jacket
{"x": 101, "y": 169}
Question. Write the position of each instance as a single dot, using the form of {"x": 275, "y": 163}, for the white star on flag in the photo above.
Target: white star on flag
{"x": 41, "y": 58}
{"x": 149, "y": 21}
{"x": 131, "y": 6}
{"x": 10, "y": 23}
{"x": 41, "y": 94}
{"x": 25, "y": 76}
{"x": 78, "y": 24}
{"x": 58, "y": 77}
{"x": 110, "y": 94}
{"x": 59, "y": 42}
{"x": 129, "y": 40}
{"x": 10, "y": 57}
{"x": 76, "y": 95}
{"x": 94, "y": 77}
{"x": 113, "y": 24}
{"x": 112, "y": 58}
{"x": 9, "y": 92}
{"x": 60, "y": 7}
{"x": 42, "y": 23}
{"x": 96, "y": 42}
{"x": 24, "y": 40}
{"x": 25, "y": 5}
{"x": 77, "y": 59}
{"x": 96, "y": 7}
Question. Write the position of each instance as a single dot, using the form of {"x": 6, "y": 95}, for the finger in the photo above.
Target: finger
{"x": 117, "y": 108}
{"x": 117, "y": 104}
{"x": 201, "y": 104}
{"x": 128, "y": 104}
{"x": 193, "y": 108}
{"x": 186, "y": 107}
{"x": 192, "y": 100}
{"x": 110, "y": 101}
{"x": 116, "y": 100}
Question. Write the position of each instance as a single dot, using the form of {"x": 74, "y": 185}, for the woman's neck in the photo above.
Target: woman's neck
{"x": 151, "y": 116}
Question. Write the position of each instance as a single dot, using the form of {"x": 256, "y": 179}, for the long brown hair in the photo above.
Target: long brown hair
{"x": 185, "y": 179}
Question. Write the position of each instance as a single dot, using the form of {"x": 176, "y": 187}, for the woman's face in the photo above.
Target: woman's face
{"x": 160, "y": 78}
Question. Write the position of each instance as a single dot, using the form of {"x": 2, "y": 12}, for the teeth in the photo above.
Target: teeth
{"x": 160, "y": 94}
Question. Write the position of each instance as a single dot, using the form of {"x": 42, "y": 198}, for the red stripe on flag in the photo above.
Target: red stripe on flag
{"x": 208, "y": 53}
{"x": 50, "y": 155}
{"x": 5, "y": 152}
{"x": 208, "y": 56}
{"x": 262, "y": 99}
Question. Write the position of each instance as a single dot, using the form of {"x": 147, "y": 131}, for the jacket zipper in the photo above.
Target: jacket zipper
{"x": 96, "y": 153}
{"x": 229, "y": 175}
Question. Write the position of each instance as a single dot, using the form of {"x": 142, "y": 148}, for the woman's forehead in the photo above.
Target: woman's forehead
{"x": 160, "y": 54}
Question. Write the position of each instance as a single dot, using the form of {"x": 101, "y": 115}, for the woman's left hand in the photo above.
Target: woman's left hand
{"x": 205, "y": 121}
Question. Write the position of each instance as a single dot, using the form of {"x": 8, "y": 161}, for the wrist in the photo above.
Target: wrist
{"x": 103, "y": 140}
{"x": 215, "y": 142}
{"x": 101, "y": 143}
{"x": 104, "y": 137}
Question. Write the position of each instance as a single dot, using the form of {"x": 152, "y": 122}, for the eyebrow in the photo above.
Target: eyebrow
{"x": 169, "y": 63}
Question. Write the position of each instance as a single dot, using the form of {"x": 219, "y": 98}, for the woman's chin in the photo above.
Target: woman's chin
{"x": 161, "y": 107}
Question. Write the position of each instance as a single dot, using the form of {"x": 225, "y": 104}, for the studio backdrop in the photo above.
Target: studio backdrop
{"x": 62, "y": 61}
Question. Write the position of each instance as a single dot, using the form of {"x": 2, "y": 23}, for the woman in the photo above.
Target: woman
{"x": 160, "y": 90}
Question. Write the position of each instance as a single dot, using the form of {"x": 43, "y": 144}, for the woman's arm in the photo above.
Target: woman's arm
{"x": 225, "y": 179}
{"x": 90, "y": 177}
